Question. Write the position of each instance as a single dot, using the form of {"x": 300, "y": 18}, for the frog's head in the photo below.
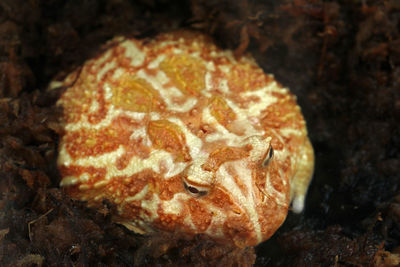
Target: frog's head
{"x": 233, "y": 194}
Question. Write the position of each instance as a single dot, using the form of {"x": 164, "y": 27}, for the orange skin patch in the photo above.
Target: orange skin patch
{"x": 224, "y": 154}
{"x": 200, "y": 215}
{"x": 95, "y": 142}
{"x": 181, "y": 136}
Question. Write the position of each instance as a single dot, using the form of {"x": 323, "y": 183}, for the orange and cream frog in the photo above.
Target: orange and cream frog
{"x": 183, "y": 137}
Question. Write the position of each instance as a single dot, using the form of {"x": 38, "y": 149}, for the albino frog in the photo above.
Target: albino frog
{"x": 183, "y": 137}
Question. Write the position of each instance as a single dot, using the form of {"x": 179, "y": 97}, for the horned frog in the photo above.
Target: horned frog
{"x": 183, "y": 137}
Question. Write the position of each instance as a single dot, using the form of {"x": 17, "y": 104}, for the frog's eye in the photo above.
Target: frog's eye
{"x": 195, "y": 191}
{"x": 269, "y": 157}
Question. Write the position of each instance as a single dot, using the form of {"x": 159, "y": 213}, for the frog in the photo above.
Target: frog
{"x": 182, "y": 136}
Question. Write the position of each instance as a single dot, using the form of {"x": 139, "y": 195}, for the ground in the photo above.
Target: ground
{"x": 341, "y": 59}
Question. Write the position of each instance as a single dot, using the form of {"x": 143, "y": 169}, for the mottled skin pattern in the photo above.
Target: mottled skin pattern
{"x": 182, "y": 136}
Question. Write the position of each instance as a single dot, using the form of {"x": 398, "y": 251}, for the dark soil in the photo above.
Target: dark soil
{"x": 342, "y": 60}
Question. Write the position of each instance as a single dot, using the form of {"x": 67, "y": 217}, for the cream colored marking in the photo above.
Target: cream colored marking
{"x": 117, "y": 193}
{"x": 151, "y": 206}
{"x": 185, "y": 107}
{"x": 141, "y": 133}
{"x": 213, "y": 53}
{"x": 174, "y": 205}
{"x": 136, "y": 164}
{"x": 85, "y": 177}
{"x": 107, "y": 67}
{"x": 224, "y": 54}
{"x": 290, "y": 131}
{"x": 208, "y": 84}
{"x": 266, "y": 99}
{"x": 197, "y": 55}
{"x": 245, "y": 174}
{"x": 192, "y": 141}
{"x": 133, "y": 52}
{"x": 117, "y": 74}
{"x": 210, "y": 65}
{"x": 168, "y": 94}
{"x": 175, "y": 92}
{"x": 242, "y": 119}
{"x": 287, "y": 116}
{"x": 249, "y": 60}
{"x": 222, "y": 133}
{"x": 271, "y": 191}
{"x": 74, "y": 76}
{"x": 154, "y": 116}
{"x": 219, "y": 217}
{"x": 247, "y": 203}
{"x": 145, "y": 225}
{"x": 172, "y": 93}
{"x": 196, "y": 174}
{"x": 281, "y": 156}
{"x": 215, "y": 231}
{"x": 105, "y": 160}
{"x": 99, "y": 197}
{"x": 138, "y": 116}
{"x": 177, "y": 51}
{"x": 83, "y": 187}
{"x": 281, "y": 175}
{"x": 189, "y": 222}
{"x": 101, "y": 184}
{"x": 94, "y": 107}
{"x": 225, "y": 68}
{"x": 83, "y": 123}
{"x": 162, "y": 78}
{"x": 63, "y": 156}
{"x": 156, "y": 62}
{"x": 283, "y": 90}
{"x": 56, "y": 84}
{"x": 107, "y": 92}
{"x": 174, "y": 168}
{"x": 260, "y": 146}
{"x": 139, "y": 196}
{"x": 224, "y": 87}
{"x": 284, "y": 182}
{"x": 284, "y": 153}
{"x": 69, "y": 180}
